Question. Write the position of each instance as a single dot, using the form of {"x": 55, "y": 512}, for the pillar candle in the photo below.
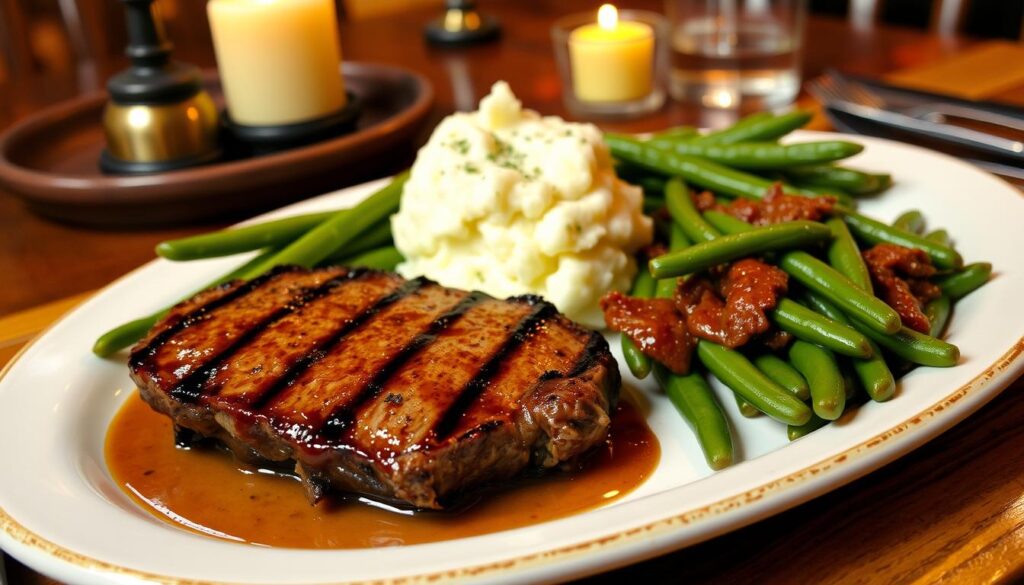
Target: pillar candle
{"x": 278, "y": 59}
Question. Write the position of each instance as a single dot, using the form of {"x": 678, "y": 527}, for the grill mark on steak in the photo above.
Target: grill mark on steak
{"x": 385, "y": 426}
{"x": 258, "y": 370}
{"x": 342, "y": 417}
{"x": 191, "y": 347}
{"x": 191, "y": 387}
{"x": 326, "y": 346}
{"x": 141, "y": 355}
{"x": 300, "y": 410}
{"x": 472, "y": 391}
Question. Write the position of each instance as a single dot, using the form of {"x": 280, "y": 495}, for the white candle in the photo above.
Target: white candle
{"x": 278, "y": 59}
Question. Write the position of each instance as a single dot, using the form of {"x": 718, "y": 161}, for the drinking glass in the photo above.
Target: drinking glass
{"x": 736, "y": 53}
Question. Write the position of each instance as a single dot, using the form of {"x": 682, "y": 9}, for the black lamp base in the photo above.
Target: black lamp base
{"x": 111, "y": 165}
{"x": 260, "y": 140}
{"x": 437, "y": 34}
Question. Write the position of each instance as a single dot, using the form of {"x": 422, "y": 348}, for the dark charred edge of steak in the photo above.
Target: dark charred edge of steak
{"x": 572, "y": 413}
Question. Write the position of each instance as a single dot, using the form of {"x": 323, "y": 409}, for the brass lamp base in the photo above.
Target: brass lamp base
{"x": 462, "y": 25}
{"x": 147, "y": 138}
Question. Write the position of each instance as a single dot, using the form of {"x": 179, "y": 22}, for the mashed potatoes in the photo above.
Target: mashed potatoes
{"x": 508, "y": 202}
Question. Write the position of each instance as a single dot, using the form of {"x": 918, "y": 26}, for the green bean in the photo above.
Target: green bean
{"x": 884, "y": 180}
{"x": 826, "y": 281}
{"x": 683, "y": 211}
{"x": 844, "y": 255}
{"x": 736, "y": 372}
{"x": 911, "y": 221}
{"x": 873, "y": 373}
{"x": 693, "y": 398}
{"x": 694, "y": 170}
{"x": 782, "y": 373}
{"x": 340, "y": 229}
{"x": 747, "y": 409}
{"x": 914, "y": 346}
{"x": 962, "y": 283}
{"x": 780, "y": 236}
{"x": 875, "y": 232}
{"x": 637, "y": 361}
{"x": 759, "y": 127}
{"x": 677, "y": 133}
{"x": 819, "y": 367}
{"x": 937, "y": 310}
{"x": 939, "y": 236}
{"x": 845, "y": 179}
{"x": 127, "y": 334}
{"x": 809, "y": 326}
{"x": 728, "y": 134}
{"x": 726, "y": 223}
{"x": 762, "y": 155}
{"x": 795, "y": 432}
{"x": 377, "y": 236}
{"x": 385, "y": 258}
{"x": 677, "y": 240}
{"x": 231, "y": 241}
{"x": 820, "y": 277}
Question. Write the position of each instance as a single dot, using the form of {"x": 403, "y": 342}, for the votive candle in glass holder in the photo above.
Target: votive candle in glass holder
{"x": 612, "y": 63}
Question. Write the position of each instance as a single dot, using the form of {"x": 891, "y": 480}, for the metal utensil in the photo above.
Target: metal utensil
{"x": 839, "y": 93}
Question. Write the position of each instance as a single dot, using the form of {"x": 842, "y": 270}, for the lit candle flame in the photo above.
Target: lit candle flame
{"x": 607, "y": 17}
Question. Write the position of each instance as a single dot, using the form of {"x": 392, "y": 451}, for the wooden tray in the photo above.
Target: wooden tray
{"x": 50, "y": 160}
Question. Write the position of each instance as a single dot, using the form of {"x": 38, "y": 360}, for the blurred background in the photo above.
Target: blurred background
{"x": 55, "y": 49}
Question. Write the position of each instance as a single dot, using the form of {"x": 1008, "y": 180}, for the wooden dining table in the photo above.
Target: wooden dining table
{"x": 951, "y": 511}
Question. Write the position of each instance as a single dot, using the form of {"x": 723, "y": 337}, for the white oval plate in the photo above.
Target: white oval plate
{"x": 62, "y": 514}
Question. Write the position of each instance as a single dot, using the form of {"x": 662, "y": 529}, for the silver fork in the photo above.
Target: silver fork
{"x": 937, "y": 112}
{"x": 853, "y": 98}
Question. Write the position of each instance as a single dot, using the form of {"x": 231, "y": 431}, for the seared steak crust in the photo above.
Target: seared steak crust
{"x": 403, "y": 390}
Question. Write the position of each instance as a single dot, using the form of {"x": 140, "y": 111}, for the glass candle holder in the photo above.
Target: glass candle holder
{"x": 612, "y": 63}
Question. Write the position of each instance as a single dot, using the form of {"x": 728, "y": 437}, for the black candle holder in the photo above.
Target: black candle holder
{"x": 247, "y": 141}
{"x": 159, "y": 117}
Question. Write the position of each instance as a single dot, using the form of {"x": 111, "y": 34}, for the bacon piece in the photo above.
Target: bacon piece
{"x": 654, "y": 325}
{"x": 705, "y": 200}
{"x": 777, "y": 339}
{"x": 777, "y": 207}
{"x": 750, "y": 288}
{"x": 900, "y": 277}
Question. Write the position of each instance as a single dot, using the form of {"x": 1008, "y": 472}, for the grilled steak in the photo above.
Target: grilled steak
{"x": 404, "y": 390}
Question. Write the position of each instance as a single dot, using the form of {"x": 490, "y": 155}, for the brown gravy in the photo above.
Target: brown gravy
{"x": 207, "y": 491}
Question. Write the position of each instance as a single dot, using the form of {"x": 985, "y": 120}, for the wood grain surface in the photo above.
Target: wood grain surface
{"x": 950, "y": 512}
